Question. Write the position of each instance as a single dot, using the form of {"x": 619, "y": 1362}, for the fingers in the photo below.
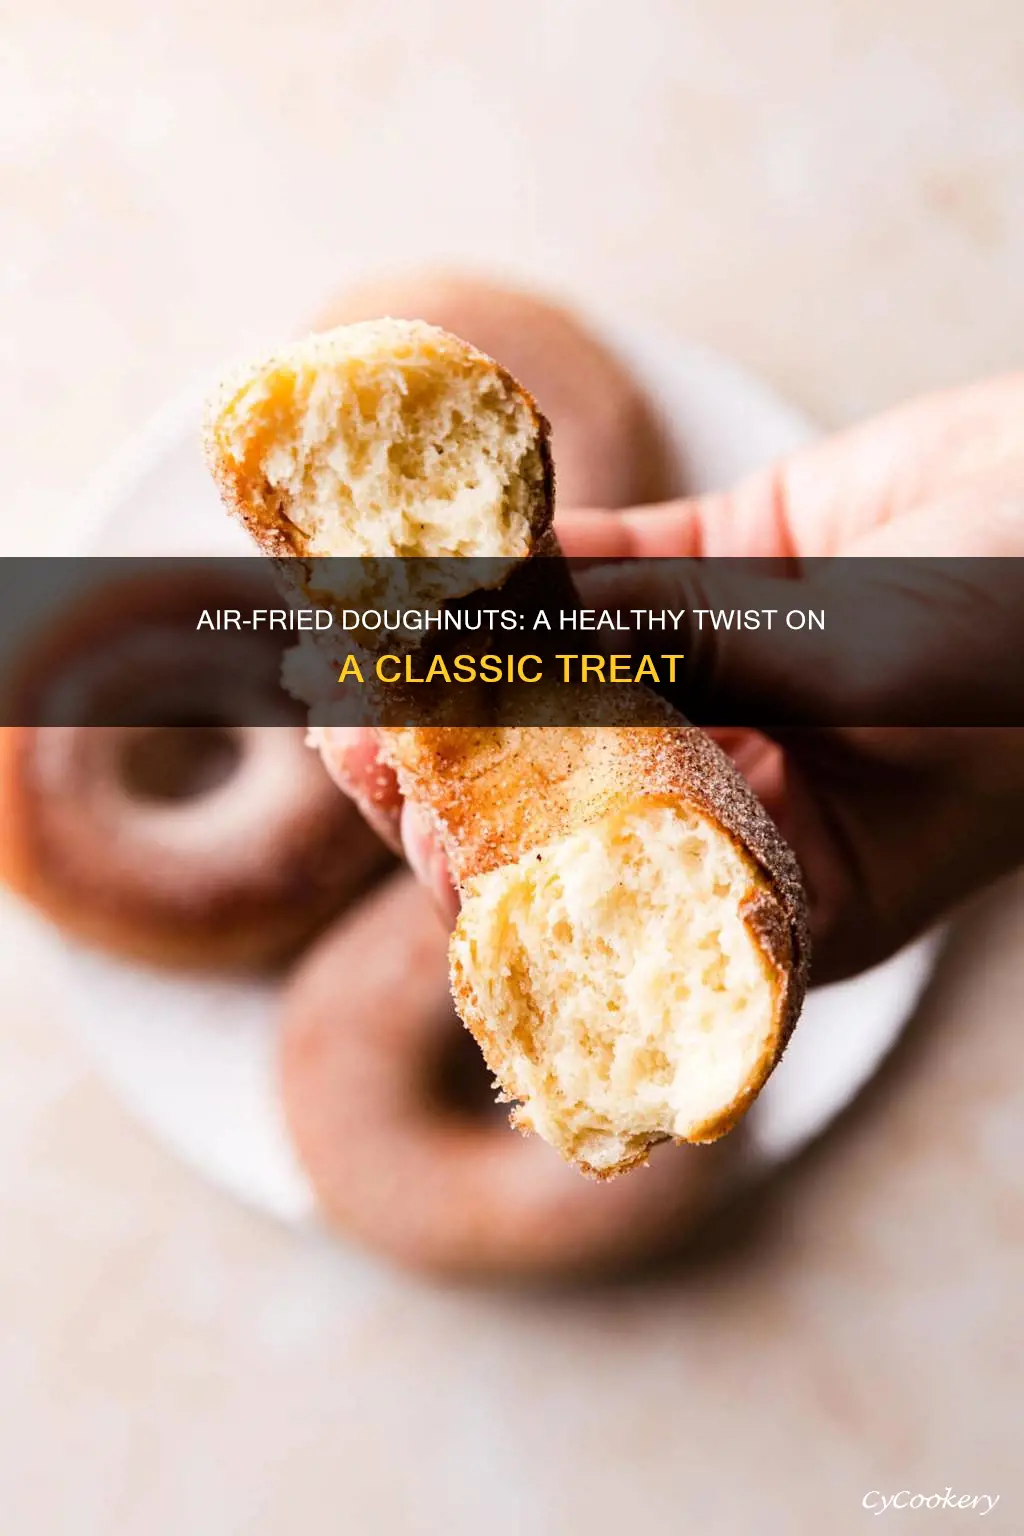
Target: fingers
{"x": 982, "y": 519}
{"x": 890, "y": 839}
{"x": 739, "y": 521}
{"x": 841, "y": 488}
{"x": 743, "y": 663}
{"x": 427, "y": 860}
{"x": 823, "y": 498}
{"x": 916, "y": 631}
{"x": 761, "y": 763}
{"x": 670, "y": 528}
{"x": 351, "y": 756}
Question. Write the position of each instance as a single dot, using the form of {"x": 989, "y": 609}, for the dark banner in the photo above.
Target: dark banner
{"x": 765, "y": 644}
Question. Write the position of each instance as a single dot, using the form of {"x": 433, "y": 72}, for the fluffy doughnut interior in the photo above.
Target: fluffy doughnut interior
{"x": 384, "y": 438}
{"x": 617, "y": 992}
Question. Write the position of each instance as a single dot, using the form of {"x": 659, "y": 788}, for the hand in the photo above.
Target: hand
{"x": 350, "y": 754}
{"x": 892, "y": 826}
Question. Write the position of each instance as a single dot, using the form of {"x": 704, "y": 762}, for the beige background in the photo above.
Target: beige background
{"x": 832, "y": 192}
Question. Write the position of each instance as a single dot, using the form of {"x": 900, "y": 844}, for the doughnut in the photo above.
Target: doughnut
{"x": 610, "y": 448}
{"x": 204, "y": 844}
{"x": 631, "y": 951}
{"x": 392, "y": 1114}
{"x": 406, "y": 384}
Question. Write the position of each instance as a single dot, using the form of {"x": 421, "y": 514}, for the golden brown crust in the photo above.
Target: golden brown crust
{"x": 396, "y": 1128}
{"x": 610, "y": 447}
{"x": 498, "y": 793}
{"x": 243, "y": 486}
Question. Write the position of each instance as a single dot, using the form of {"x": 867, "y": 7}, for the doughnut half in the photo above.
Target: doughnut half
{"x": 610, "y": 446}
{"x": 383, "y": 438}
{"x": 631, "y": 952}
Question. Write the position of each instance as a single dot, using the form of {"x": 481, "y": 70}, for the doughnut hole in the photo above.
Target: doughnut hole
{"x": 457, "y": 1081}
{"x": 178, "y": 762}
{"x": 627, "y": 997}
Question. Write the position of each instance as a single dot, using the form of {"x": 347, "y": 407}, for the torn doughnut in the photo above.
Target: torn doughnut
{"x": 380, "y": 439}
{"x": 631, "y": 951}
{"x": 608, "y": 442}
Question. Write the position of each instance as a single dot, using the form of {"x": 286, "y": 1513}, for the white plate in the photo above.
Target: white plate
{"x": 194, "y": 1059}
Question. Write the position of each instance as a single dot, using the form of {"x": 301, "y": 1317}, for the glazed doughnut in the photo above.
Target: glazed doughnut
{"x": 631, "y": 952}
{"x": 395, "y": 1124}
{"x": 610, "y": 448}
{"x": 207, "y": 844}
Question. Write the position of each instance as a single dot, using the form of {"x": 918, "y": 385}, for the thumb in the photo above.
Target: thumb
{"x": 755, "y": 652}
{"x": 873, "y": 640}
